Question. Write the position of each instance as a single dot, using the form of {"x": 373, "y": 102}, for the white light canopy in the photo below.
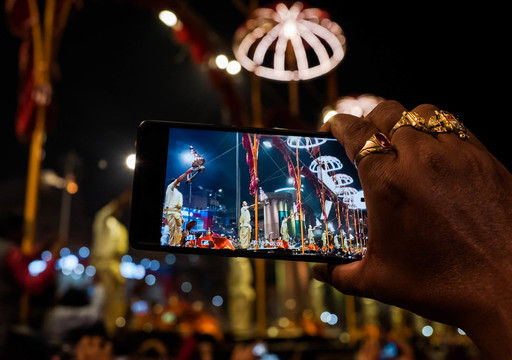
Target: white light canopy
{"x": 289, "y": 44}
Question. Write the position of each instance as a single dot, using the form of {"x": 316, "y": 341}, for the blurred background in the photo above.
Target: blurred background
{"x": 115, "y": 63}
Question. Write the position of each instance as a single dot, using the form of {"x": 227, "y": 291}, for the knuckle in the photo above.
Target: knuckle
{"x": 357, "y": 128}
{"x": 385, "y": 106}
{"x": 425, "y": 108}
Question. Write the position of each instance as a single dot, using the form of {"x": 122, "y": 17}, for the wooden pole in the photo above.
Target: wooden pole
{"x": 293, "y": 86}
{"x": 256, "y": 101}
{"x": 332, "y": 87}
{"x": 299, "y": 183}
{"x": 350, "y": 313}
{"x": 32, "y": 187}
{"x": 338, "y": 215}
{"x": 261, "y": 320}
{"x": 261, "y": 313}
{"x": 255, "y": 160}
{"x": 347, "y": 219}
{"x": 42, "y": 55}
{"x": 326, "y": 224}
{"x": 356, "y": 231}
{"x": 293, "y": 93}
{"x": 38, "y": 134}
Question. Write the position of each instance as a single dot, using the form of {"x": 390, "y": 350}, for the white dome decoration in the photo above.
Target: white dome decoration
{"x": 341, "y": 180}
{"x": 326, "y": 163}
{"x": 304, "y": 142}
{"x": 265, "y": 43}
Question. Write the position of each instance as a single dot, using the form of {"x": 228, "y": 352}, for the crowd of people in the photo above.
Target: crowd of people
{"x": 428, "y": 250}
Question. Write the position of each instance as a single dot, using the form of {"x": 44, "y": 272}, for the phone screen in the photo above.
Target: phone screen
{"x": 258, "y": 193}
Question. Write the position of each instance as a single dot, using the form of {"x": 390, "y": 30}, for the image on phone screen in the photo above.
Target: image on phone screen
{"x": 263, "y": 193}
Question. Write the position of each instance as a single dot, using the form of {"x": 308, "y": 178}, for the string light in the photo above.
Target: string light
{"x": 168, "y": 18}
{"x": 233, "y": 67}
{"x": 221, "y": 61}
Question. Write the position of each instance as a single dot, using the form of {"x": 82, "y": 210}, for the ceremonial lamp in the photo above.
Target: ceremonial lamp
{"x": 310, "y": 33}
{"x": 288, "y": 44}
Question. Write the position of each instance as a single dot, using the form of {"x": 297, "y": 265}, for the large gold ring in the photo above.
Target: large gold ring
{"x": 410, "y": 118}
{"x": 444, "y": 122}
{"x": 378, "y": 143}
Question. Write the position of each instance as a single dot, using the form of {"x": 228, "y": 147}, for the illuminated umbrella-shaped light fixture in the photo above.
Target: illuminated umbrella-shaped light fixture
{"x": 304, "y": 142}
{"x": 262, "y": 44}
{"x": 341, "y": 180}
{"x": 325, "y": 162}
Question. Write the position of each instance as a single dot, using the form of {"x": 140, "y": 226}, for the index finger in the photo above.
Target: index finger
{"x": 352, "y": 132}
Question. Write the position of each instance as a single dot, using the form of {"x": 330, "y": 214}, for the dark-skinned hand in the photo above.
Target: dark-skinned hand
{"x": 439, "y": 227}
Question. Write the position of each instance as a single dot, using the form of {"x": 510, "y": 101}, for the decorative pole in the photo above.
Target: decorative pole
{"x": 356, "y": 230}
{"x": 338, "y": 216}
{"x": 323, "y": 204}
{"x": 261, "y": 314}
{"x": 42, "y": 51}
{"x": 299, "y": 196}
{"x": 347, "y": 219}
{"x": 255, "y": 159}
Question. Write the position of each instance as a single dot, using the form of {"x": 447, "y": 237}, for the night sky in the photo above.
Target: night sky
{"x": 118, "y": 65}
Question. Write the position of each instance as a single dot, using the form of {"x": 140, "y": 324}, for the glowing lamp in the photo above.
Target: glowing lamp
{"x": 221, "y": 61}
{"x": 359, "y": 106}
{"x": 130, "y": 161}
{"x": 341, "y": 180}
{"x": 168, "y": 18}
{"x": 289, "y": 44}
{"x": 325, "y": 162}
{"x": 304, "y": 142}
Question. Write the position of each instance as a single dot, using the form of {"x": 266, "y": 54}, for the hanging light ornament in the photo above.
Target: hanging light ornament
{"x": 304, "y": 142}
{"x": 347, "y": 194}
{"x": 326, "y": 163}
{"x": 268, "y": 41}
{"x": 341, "y": 180}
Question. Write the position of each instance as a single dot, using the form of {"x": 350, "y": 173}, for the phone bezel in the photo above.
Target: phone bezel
{"x": 149, "y": 190}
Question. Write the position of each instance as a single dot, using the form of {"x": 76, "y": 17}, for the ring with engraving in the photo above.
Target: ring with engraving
{"x": 444, "y": 122}
{"x": 378, "y": 143}
{"x": 410, "y": 118}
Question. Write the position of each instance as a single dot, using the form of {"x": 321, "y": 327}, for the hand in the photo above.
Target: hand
{"x": 439, "y": 227}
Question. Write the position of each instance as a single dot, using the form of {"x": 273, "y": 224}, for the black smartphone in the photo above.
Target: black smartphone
{"x": 247, "y": 192}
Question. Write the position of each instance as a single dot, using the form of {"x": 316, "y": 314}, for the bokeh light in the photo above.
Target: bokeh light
{"x": 168, "y": 18}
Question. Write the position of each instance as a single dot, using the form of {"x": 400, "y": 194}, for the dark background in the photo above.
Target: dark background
{"x": 119, "y": 65}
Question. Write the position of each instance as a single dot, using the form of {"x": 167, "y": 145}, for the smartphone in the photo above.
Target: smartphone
{"x": 246, "y": 192}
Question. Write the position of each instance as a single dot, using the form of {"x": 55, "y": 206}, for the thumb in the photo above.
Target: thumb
{"x": 350, "y": 279}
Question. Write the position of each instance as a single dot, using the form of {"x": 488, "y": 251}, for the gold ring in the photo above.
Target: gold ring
{"x": 378, "y": 143}
{"x": 444, "y": 122}
{"x": 410, "y": 118}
